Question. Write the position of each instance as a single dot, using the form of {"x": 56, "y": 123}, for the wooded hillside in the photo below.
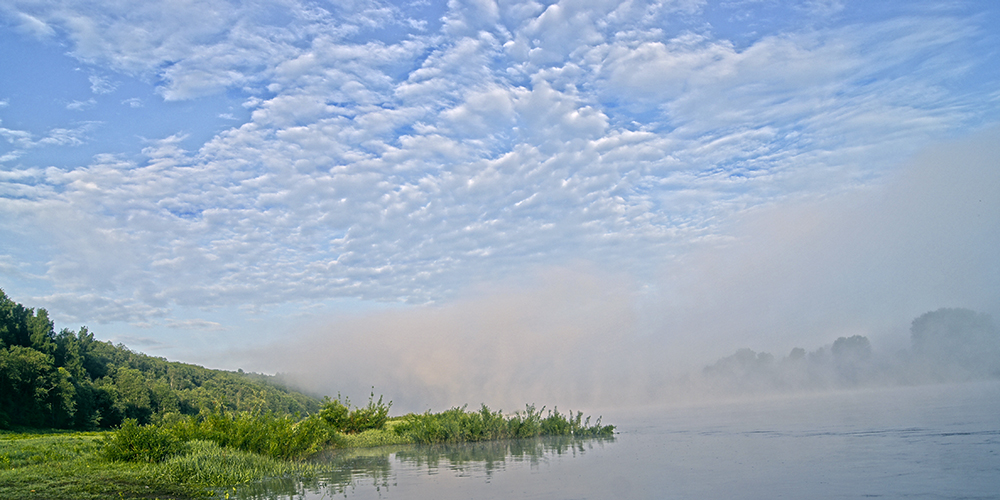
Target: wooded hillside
{"x": 71, "y": 380}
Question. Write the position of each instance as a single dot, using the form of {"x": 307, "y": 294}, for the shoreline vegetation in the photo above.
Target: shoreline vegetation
{"x": 208, "y": 455}
{"x": 85, "y": 419}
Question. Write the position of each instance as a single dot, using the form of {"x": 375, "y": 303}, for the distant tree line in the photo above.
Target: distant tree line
{"x": 70, "y": 380}
{"x": 947, "y": 345}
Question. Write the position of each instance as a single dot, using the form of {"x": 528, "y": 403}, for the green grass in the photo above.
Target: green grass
{"x": 19, "y": 450}
{"x": 371, "y": 438}
{"x": 205, "y": 457}
{"x": 265, "y": 434}
{"x": 457, "y": 425}
{"x": 209, "y": 464}
{"x": 67, "y": 466}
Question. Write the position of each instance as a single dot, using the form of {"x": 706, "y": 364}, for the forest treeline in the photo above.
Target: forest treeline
{"x": 946, "y": 345}
{"x": 69, "y": 380}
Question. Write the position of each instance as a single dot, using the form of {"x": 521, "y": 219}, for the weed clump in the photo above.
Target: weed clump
{"x": 342, "y": 418}
{"x": 208, "y": 463}
{"x": 266, "y": 434}
{"x": 458, "y": 425}
{"x": 140, "y": 443}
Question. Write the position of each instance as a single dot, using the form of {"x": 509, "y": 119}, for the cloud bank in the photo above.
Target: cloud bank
{"x": 801, "y": 273}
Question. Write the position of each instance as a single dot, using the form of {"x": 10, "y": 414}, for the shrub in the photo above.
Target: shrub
{"x": 342, "y": 418}
{"x": 528, "y": 424}
{"x": 140, "y": 443}
{"x": 556, "y": 424}
{"x": 457, "y": 425}
{"x": 372, "y": 416}
{"x": 261, "y": 433}
{"x": 335, "y": 413}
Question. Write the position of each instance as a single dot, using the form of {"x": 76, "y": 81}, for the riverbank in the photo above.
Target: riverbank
{"x": 202, "y": 458}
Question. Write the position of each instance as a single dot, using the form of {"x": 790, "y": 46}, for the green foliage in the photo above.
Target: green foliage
{"x": 71, "y": 380}
{"x": 262, "y": 433}
{"x": 342, "y": 418}
{"x": 457, "y": 425}
{"x": 556, "y": 424}
{"x": 68, "y": 465}
{"x": 335, "y": 413}
{"x": 140, "y": 443}
{"x": 211, "y": 465}
{"x": 369, "y": 439}
{"x": 21, "y": 450}
{"x": 527, "y": 424}
{"x": 158, "y": 461}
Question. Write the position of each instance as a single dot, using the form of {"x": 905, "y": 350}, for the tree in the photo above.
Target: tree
{"x": 32, "y": 391}
{"x": 856, "y": 347}
{"x": 13, "y": 322}
{"x": 958, "y": 338}
{"x": 852, "y": 356}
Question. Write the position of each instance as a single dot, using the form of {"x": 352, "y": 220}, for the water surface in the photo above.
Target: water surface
{"x": 926, "y": 442}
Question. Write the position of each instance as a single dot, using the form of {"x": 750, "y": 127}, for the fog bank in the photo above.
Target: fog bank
{"x": 798, "y": 273}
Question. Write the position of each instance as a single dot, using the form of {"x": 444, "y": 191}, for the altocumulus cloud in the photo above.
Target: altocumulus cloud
{"x": 407, "y": 152}
{"x": 798, "y": 274}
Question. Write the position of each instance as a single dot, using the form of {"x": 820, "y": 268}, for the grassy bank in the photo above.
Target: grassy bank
{"x": 205, "y": 456}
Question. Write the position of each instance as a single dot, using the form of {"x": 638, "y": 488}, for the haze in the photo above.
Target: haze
{"x": 797, "y": 274}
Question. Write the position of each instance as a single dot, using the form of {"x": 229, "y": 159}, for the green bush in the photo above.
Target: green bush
{"x": 372, "y": 416}
{"x": 556, "y": 424}
{"x": 457, "y": 425}
{"x": 335, "y": 413}
{"x": 342, "y": 418}
{"x": 140, "y": 443}
{"x": 261, "y": 433}
{"x": 528, "y": 424}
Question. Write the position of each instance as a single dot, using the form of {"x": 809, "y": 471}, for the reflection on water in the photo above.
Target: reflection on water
{"x": 929, "y": 442}
{"x": 366, "y": 471}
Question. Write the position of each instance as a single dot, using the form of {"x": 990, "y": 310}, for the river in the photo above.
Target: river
{"x": 926, "y": 442}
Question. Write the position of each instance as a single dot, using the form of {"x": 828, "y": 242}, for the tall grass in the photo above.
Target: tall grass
{"x": 140, "y": 443}
{"x": 185, "y": 457}
{"x": 458, "y": 425}
{"x": 342, "y": 418}
{"x": 266, "y": 434}
{"x": 33, "y": 449}
{"x": 209, "y": 464}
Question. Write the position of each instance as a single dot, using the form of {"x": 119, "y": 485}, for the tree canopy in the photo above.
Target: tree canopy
{"x": 71, "y": 380}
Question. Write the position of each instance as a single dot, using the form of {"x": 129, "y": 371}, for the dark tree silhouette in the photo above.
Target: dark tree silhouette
{"x": 958, "y": 338}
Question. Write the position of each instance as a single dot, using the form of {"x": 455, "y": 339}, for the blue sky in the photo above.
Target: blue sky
{"x": 196, "y": 179}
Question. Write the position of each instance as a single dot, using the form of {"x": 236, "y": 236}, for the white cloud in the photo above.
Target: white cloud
{"x": 385, "y": 162}
{"x": 81, "y": 105}
{"x": 23, "y": 141}
{"x": 101, "y": 85}
{"x": 34, "y": 26}
{"x": 195, "y": 324}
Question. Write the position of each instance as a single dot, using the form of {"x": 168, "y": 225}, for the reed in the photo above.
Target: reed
{"x": 262, "y": 433}
{"x": 207, "y": 463}
{"x": 140, "y": 443}
{"x": 458, "y": 425}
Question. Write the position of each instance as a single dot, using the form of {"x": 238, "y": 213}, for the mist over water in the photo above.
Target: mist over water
{"x": 930, "y": 441}
{"x": 799, "y": 273}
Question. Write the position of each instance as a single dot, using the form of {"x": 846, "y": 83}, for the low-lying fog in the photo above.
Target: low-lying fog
{"x": 807, "y": 294}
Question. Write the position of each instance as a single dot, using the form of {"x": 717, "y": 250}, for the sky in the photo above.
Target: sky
{"x": 565, "y": 200}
